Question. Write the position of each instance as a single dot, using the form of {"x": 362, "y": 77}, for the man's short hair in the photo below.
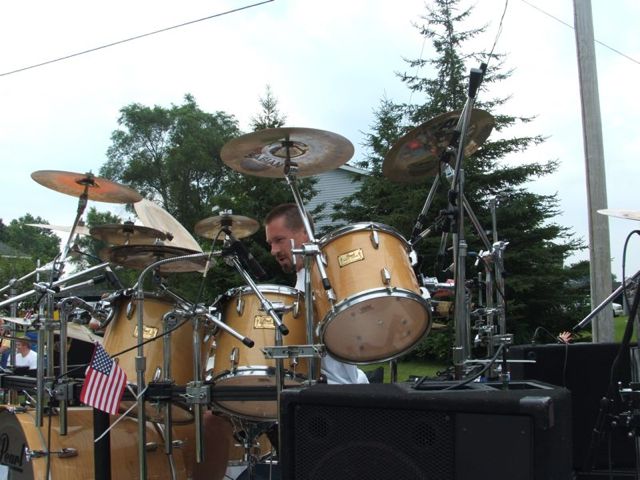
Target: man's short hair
{"x": 290, "y": 213}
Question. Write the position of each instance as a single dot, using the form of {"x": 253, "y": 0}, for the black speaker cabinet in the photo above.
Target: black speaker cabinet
{"x": 392, "y": 431}
{"x": 584, "y": 369}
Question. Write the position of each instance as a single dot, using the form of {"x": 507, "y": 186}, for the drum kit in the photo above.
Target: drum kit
{"x": 362, "y": 303}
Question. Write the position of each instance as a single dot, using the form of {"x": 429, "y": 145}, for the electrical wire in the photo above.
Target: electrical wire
{"x": 130, "y": 39}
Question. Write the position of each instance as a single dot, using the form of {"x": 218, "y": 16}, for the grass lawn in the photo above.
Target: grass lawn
{"x": 408, "y": 368}
{"x": 619, "y": 324}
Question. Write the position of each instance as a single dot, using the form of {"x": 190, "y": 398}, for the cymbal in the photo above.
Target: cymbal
{"x": 80, "y": 229}
{"x": 239, "y": 226}
{"x": 153, "y": 215}
{"x": 141, "y": 256}
{"x": 127, "y": 234}
{"x": 417, "y": 154}
{"x": 80, "y": 332}
{"x": 17, "y": 320}
{"x": 628, "y": 214}
{"x": 262, "y": 153}
{"x": 98, "y": 189}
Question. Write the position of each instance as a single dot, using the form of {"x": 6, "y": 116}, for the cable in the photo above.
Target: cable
{"x": 130, "y": 39}
{"x": 573, "y": 28}
{"x": 498, "y": 33}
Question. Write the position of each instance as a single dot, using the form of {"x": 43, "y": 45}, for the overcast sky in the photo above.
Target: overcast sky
{"x": 328, "y": 62}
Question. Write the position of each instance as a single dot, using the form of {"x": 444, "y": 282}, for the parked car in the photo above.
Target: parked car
{"x": 617, "y": 309}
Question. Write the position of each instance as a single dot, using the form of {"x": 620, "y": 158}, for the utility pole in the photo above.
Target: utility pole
{"x": 599, "y": 247}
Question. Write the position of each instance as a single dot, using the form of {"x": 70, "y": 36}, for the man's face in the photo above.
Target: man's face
{"x": 279, "y": 238}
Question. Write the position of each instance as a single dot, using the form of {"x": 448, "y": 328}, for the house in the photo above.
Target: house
{"x": 332, "y": 187}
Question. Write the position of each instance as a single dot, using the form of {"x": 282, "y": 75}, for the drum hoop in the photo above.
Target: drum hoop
{"x": 361, "y": 226}
{"x": 263, "y": 288}
{"x": 262, "y": 369}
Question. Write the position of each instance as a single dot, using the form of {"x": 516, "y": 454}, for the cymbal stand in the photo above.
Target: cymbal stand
{"x": 290, "y": 170}
{"x": 247, "y": 432}
{"x": 461, "y": 351}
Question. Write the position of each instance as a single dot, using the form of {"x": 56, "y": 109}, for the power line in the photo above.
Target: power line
{"x": 572, "y": 28}
{"x": 137, "y": 37}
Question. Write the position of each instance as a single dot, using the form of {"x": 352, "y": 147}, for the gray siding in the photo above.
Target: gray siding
{"x": 332, "y": 187}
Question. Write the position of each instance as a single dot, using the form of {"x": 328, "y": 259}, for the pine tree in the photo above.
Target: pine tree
{"x": 535, "y": 277}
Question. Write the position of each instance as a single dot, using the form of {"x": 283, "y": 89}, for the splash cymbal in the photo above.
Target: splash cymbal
{"x": 127, "y": 234}
{"x": 153, "y": 215}
{"x": 239, "y": 226}
{"x": 140, "y": 257}
{"x": 628, "y": 214}
{"x": 17, "y": 320}
{"x": 263, "y": 153}
{"x": 417, "y": 154}
{"x": 75, "y": 184}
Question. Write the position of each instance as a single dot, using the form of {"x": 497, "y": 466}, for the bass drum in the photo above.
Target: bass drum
{"x": 23, "y": 448}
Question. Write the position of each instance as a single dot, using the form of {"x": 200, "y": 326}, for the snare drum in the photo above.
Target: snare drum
{"x": 23, "y": 448}
{"x": 237, "y": 365}
{"x": 379, "y": 313}
{"x": 122, "y": 334}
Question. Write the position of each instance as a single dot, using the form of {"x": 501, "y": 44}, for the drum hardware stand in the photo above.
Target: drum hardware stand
{"x": 140, "y": 359}
{"x": 247, "y": 432}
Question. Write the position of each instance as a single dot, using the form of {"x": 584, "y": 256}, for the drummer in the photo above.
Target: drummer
{"x": 282, "y": 224}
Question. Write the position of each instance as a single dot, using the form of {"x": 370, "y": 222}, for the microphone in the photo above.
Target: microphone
{"x": 247, "y": 259}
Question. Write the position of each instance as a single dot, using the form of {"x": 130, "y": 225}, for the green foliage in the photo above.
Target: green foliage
{"x": 536, "y": 281}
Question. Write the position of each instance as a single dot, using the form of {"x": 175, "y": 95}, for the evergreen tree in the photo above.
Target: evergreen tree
{"x": 535, "y": 277}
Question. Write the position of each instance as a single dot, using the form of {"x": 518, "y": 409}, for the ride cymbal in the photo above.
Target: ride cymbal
{"x": 263, "y": 153}
{"x": 75, "y": 184}
{"x": 628, "y": 214}
{"x": 239, "y": 226}
{"x": 140, "y": 257}
{"x": 417, "y": 154}
{"x": 127, "y": 234}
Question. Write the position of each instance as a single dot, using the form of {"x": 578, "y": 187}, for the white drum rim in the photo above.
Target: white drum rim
{"x": 359, "y": 227}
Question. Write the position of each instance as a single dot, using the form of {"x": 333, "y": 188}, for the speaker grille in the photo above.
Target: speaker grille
{"x": 361, "y": 443}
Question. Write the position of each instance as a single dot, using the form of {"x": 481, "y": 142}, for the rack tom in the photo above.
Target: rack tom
{"x": 379, "y": 311}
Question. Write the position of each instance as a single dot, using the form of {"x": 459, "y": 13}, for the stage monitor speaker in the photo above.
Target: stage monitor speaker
{"x": 585, "y": 370}
{"x": 391, "y": 431}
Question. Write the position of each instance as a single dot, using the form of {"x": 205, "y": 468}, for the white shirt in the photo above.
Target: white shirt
{"x": 334, "y": 370}
{"x": 30, "y": 360}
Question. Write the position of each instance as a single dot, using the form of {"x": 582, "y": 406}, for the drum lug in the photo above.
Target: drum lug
{"x": 131, "y": 308}
{"x": 234, "y": 358}
{"x": 386, "y": 276}
{"x": 375, "y": 239}
{"x": 64, "y": 453}
{"x": 240, "y": 305}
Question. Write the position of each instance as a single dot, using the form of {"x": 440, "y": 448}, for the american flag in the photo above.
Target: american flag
{"x": 104, "y": 382}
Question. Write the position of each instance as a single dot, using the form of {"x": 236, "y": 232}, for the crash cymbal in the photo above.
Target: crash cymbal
{"x": 98, "y": 189}
{"x": 239, "y": 226}
{"x": 417, "y": 154}
{"x": 628, "y": 214}
{"x": 127, "y": 234}
{"x": 80, "y": 332}
{"x": 80, "y": 229}
{"x": 263, "y": 154}
{"x": 139, "y": 257}
{"x": 153, "y": 215}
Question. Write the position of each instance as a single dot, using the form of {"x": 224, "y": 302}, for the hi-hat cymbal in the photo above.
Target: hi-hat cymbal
{"x": 417, "y": 154}
{"x": 75, "y": 184}
{"x": 127, "y": 234}
{"x": 140, "y": 257}
{"x": 628, "y": 214}
{"x": 80, "y": 229}
{"x": 263, "y": 153}
{"x": 239, "y": 226}
{"x": 153, "y": 215}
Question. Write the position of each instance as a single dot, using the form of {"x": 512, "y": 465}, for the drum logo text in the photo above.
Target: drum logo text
{"x": 350, "y": 257}
{"x": 147, "y": 332}
{"x": 11, "y": 459}
{"x": 263, "y": 322}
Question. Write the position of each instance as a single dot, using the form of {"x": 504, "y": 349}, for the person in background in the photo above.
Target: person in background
{"x": 25, "y": 356}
